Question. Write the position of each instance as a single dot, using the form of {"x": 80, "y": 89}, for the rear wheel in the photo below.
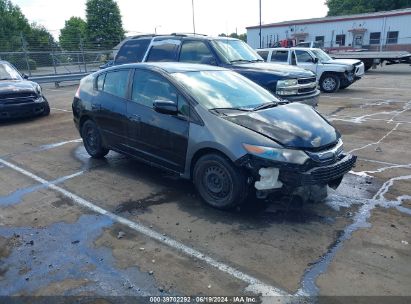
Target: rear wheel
{"x": 92, "y": 140}
{"x": 330, "y": 83}
{"x": 219, "y": 182}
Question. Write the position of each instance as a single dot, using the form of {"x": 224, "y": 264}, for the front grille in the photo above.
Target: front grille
{"x": 306, "y": 90}
{"x": 306, "y": 80}
{"x": 18, "y": 98}
{"x": 328, "y": 173}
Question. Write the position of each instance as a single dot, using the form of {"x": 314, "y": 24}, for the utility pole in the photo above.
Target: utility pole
{"x": 260, "y": 25}
{"x": 194, "y": 23}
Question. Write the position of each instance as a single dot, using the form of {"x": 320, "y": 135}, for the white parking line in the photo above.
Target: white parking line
{"x": 63, "y": 110}
{"x": 255, "y": 285}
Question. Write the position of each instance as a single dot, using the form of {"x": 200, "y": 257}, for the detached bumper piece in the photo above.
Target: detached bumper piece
{"x": 319, "y": 175}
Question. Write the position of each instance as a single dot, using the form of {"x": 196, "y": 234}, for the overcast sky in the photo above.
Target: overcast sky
{"x": 212, "y": 17}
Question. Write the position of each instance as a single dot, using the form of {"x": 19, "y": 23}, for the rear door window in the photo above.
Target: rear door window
{"x": 164, "y": 50}
{"x": 116, "y": 83}
{"x": 281, "y": 56}
{"x": 132, "y": 51}
{"x": 196, "y": 52}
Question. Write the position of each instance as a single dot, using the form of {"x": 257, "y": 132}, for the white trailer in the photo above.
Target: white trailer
{"x": 372, "y": 59}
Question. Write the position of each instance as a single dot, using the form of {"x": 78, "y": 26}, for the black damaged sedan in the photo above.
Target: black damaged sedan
{"x": 230, "y": 136}
{"x": 19, "y": 97}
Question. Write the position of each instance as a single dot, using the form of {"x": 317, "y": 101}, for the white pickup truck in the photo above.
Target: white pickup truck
{"x": 332, "y": 74}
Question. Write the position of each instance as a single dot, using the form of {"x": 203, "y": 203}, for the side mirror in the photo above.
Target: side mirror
{"x": 25, "y": 76}
{"x": 315, "y": 60}
{"x": 165, "y": 107}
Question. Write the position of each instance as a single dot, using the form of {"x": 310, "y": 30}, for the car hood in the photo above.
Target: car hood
{"x": 16, "y": 86}
{"x": 286, "y": 71}
{"x": 292, "y": 125}
{"x": 342, "y": 61}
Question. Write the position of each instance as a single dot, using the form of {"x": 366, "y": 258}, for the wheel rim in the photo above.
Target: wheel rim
{"x": 91, "y": 138}
{"x": 216, "y": 182}
{"x": 329, "y": 83}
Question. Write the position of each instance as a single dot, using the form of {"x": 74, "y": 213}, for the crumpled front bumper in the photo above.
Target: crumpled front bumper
{"x": 302, "y": 175}
{"x": 9, "y": 111}
{"x": 322, "y": 175}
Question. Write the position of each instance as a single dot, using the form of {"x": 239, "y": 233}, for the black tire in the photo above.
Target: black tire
{"x": 92, "y": 140}
{"x": 219, "y": 183}
{"x": 46, "y": 111}
{"x": 330, "y": 83}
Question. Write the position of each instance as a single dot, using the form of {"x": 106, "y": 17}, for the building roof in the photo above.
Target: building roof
{"x": 400, "y": 12}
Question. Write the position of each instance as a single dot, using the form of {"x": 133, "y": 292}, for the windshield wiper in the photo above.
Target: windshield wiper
{"x": 240, "y": 60}
{"x": 266, "y": 105}
{"x": 234, "y": 109}
{"x": 6, "y": 79}
{"x": 257, "y": 60}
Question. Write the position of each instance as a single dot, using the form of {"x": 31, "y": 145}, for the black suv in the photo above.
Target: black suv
{"x": 287, "y": 82}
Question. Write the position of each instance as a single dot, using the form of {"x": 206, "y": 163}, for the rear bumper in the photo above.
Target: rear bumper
{"x": 311, "y": 99}
{"x": 10, "y": 111}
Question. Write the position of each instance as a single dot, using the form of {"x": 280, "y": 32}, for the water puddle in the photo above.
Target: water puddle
{"x": 17, "y": 196}
{"x": 63, "y": 252}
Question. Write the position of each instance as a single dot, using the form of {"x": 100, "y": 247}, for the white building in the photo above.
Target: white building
{"x": 389, "y": 30}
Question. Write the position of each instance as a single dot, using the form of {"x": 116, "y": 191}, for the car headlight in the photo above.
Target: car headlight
{"x": 287, "y": 83}
{"x": 277, "y": 154}
{"x": 37, "y": 88}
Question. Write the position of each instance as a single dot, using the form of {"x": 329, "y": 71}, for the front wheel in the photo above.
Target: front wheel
{"x": 330, "y": 83}
{"x": 92, "y": 140}
{"x": 219, "y": 183}
{"x": 46, "y": 111}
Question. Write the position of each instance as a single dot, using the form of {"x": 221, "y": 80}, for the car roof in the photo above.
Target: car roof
{"x": 179, "y": 36}
{"x": 169, "y": 67}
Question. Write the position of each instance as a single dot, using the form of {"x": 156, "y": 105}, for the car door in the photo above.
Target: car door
{"x": 111, "y": 117}
{"x": 157, "y": 137}
{"x": 305, "y": 60}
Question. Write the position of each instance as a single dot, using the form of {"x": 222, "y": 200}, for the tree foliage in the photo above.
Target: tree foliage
{"x": 104, "y": 25}
{"x": 17, "y": 33}
{"x": 242, "y": 37}
{"x": 12, "y": 25}
{"x": 348, "y": 7}
{"x": 74, "y": 30}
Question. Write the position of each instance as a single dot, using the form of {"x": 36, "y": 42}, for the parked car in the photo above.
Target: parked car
{"x": 332, "y": 74}
{"x": 228, "y": 135}
{"x": 19, "y": 97}
{"x": 291, "y": 83}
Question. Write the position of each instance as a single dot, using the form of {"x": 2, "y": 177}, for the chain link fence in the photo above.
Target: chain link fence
{"x": 51, "y": 59}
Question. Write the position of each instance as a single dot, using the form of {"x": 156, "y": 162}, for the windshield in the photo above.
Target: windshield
{"x": 224, "y": 89}
{"x": 8, "y": 73}
{"x": 321, "y": 55}
{"x": 235, "y": 50}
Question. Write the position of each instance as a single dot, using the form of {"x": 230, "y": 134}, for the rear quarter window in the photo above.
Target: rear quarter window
{"x": 280, "y": 56}
{"x": 116, "y": 83}
{"x": 132, "y": 51}
{"x": 263, "y": 54}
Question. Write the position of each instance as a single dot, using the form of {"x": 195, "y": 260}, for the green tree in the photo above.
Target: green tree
{"x": 74, "y": 30}
{"x": 242, "y": 37}
{"x": 349, "y": 7}
{"x": 104, "y": 24}
{"x": 12, "y": 24}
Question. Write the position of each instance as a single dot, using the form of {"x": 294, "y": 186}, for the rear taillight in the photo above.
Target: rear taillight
{"x": 77, "y": 95}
